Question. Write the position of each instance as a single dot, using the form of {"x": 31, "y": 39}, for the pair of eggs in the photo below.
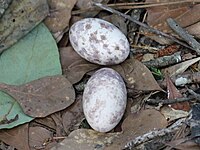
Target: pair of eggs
{"x": 105, "y": 95}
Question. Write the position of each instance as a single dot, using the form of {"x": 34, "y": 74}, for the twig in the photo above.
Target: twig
{"x": 150, "y": 29}
{"x": 164, "y": 61}
{"x": 154, "y": 134}
{"x": 169, "y": 101}
{"x": 184, "y": 35}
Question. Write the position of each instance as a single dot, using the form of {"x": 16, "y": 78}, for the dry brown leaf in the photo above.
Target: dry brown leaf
{"x": 42, "y": 97}
{"x": 74, "y": 67}
{"x": 174, "y": 93}
{"x": 179, "y": 68}
{"x": 183, "y": 144}
{"x": 39, "y": 138}
{"x": 60, "y": 14}
{"x": 138, "y": 124}
{"x": 194, "y": 29}
{"x": 86, "y": 139}
{"x": 16, "y": 137}
{"x": 185, "y": 14}
{"x": 137, "y": 75}
{"x": 73, "y": 115}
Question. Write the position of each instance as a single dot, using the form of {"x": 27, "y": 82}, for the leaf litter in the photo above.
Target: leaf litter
{"x": 37, "y": 95}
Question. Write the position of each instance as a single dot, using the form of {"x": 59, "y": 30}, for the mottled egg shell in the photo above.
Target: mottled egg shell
{"x": 99, "y": 41}
{"x": 104, "y": 99}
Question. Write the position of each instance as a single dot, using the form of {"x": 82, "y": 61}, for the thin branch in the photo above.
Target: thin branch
{"x": 169, "y": 101}
{"x": 150, "y": 29}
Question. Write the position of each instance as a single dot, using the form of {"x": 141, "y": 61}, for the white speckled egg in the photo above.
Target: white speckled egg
{"x": 104, "y": 99}
{"x": 99, "y": 41}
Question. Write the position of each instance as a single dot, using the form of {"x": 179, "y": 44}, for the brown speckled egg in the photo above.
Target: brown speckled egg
{"x": 99, "y": 41}
{"x": 104, "y": 99}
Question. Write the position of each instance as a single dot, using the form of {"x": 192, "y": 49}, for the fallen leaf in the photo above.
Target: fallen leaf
{"x": 39, "y": 138}
{"x": 86, "y": 139}
{"x": 73, "y": 115}
{"x": 19, "y": 19}
{"x": 173, "y": 114}
{"x": 194, "y": 29}
{"x": 16, "y": 137}
{"x": 42, "y": 97}
{"x": 185, "y": 14}
{"x": 136, "y": 125}
{"x": 179, "y": 68}
{"x": 33, "y": 57}
{"x": 60, "y": 14}
{"x": 74, "y": 67}
{"x": 137, "y": 75}
{"x": 173, "y": 93}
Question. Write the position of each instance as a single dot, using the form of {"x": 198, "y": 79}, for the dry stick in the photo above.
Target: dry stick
{"x": 164, "y": 61}
{"x": 152, "y": 4}
{"x": 169, "y": 101}
{"x": 150, "y": 29}
{"x": 154, "y": 134}
{"x": 184, "y": 35}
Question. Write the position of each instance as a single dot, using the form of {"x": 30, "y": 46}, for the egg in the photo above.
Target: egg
{"x": 99, "y": 41}
{"x": 104, "y": 99}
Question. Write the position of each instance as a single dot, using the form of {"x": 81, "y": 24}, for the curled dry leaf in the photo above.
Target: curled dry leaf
{"x": 39, "y": 138}
{"x": 74, "y": 67}
{"x": 60, "y": 14}
{"x": 174, "y": 93}
{"x": 42, "y": 97}
{"x": 179, "y": 68}
{"x": 19, "y": 19}
{"x": 16, "y": 137}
